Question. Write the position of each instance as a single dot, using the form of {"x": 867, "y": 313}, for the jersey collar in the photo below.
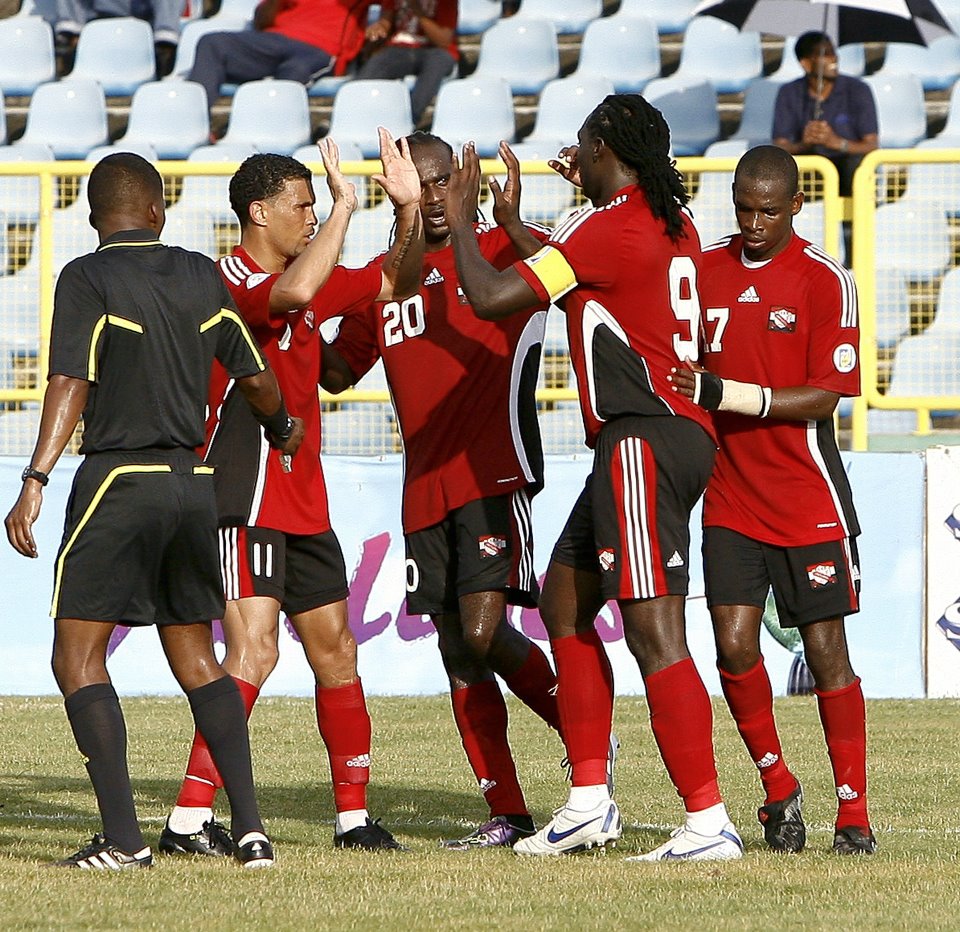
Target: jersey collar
{"x": 130, "y": 238}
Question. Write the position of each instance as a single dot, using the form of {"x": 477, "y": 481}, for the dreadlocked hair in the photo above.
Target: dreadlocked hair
{"x": 639, "y": 136}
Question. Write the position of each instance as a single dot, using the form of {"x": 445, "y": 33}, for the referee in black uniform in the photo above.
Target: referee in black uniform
{"x": 136, "y": 326}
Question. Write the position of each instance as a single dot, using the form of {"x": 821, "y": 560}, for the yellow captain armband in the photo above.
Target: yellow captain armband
{"x": 553, "y": 271}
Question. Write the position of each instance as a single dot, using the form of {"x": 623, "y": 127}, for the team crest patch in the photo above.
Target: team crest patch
{"x": 256, "y": 279}
{"x": 782, "y": 319}
{"x": 608, "y": 560}
{"x": 491, "y": 545}
{"x": 845, "y": 358}
{"x": 822, "y": 574}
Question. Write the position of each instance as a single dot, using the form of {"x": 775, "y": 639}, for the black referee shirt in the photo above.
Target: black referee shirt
{"x": 143, "y": 323}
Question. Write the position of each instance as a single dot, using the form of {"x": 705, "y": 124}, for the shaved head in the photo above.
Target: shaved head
{"x": 769, "y": 164}
{"x": 122, "y": 184}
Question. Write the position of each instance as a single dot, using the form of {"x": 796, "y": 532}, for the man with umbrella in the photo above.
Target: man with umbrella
{"x": 825, "y": 112}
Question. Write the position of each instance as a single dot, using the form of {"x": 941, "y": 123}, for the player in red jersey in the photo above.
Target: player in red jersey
{"x": 781, "y": 340}
{"x": 625, "y": 272}
{"x": 277, "y": 547}
{"x": 472, "y": 462}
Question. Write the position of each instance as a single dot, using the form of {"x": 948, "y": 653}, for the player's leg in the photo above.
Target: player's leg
{"x": 737, "y": 581}
{"x": 828, "y": 587}
{"x": 252, "y": 564}
{"x": 93, "y": 710}
{"x": 480, "y": 715}
{"x": 315, "y": 601}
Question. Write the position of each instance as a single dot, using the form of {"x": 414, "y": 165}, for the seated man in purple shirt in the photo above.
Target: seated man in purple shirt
{"x": 825, "y": 112}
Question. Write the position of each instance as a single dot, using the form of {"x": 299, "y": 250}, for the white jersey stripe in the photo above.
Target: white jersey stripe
{"x": 849, "y": 312}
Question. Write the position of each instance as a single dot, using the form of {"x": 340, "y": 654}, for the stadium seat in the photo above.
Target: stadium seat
{"x": 143, "y": 149}
{"x": 20, "y": 194}
{"x": 937, "y": 65}
{"x": 712, "y": 206}
{"x": 118, "y": 53}
{"x": 669, "y": 15}
{"x": 70, "y": 116}
{"x": 715, "y": 51}
{"x": 564, "y": 104}
{"x": 328, "y": 85}
{"x": 212, "y": 192}
{"x": 947, "y": 318}
{"x": 901, "y": 110}
{"x": 361, "y": 106}
{"x": 690, "y": 109}
{"x": 273, "y": 116}
{"x": 811, "y": 224}
{"x": 892, "y": 312}
{"x": 936, "y": 183}
{"x": 237, "y": 9}
{"x": 170, "y": 116}
{"x": 190, "y": 35}
{"x": 26, "y": 54}
{"x": 852, "y": 59}
{"x": 480, "y": 109}
{"x": 349, "y": 152}
{"x": 368, "y": 234}
{"x": 623, "y": 49}
{"x": 477, "y": 16}
{"x": 926, "y": 365}
{"x": 913, "y": 238}
{"x": 569, "y": 17}
{"x": 191, "y": 229}
{"x": 544, "y": 197}
{"x": 950, "y": 133}
{"x": 756, "y": 120}
{"x": 521, "y": 51}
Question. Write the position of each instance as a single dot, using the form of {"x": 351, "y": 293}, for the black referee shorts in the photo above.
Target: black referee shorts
{"x": 140, "y": 541}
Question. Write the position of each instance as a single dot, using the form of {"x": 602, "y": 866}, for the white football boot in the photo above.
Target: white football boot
{"x": 570, "y": 831}
{"x": 687, "y": 845}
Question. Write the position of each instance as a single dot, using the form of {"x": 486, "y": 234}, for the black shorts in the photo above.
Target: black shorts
{"x": 810, "y": 583}
{"x": 301, "y": 572}
{"x": 631, "y": 523}
{"x": 140, "y": 541}
{"x": 483, "y": 546}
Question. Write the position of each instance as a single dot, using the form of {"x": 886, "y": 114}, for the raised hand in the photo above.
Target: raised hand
{"x": 463, "y": 188}
{"x": 341, "y": 189}
{"x": 566, "y": 164}
{"x": 506, "y": 199}
{"x": 399, "y": 178}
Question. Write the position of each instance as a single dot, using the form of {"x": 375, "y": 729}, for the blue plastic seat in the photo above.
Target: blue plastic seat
{"x": 212, "y": 192}
{"x": 69, "y": 116}
{"x": 564, "y": 104}
{"x": 947, "y": 318}
{"x": 892, "y": 311}
{"x": 361, "y": 106}
{"x": 26, "y": 54}
{"x": 669, "y": 15}
{"x": 624, "y": 49}
{"x": 926, "y": 365}
{"x": 913, "y": 238}
{"x": 715, "y": 51}
{"x": 480, "y": 109}
{"x": 569, "y": 17}
{"x": 690, "y": 109}
{"x": 310, "y": 156}
{"x": 936, "y": 183}
{"x": 545, "y": 197}
{"x": 521, "y": 51}
{"x": 756, "y": 119}
{"x": 20, "y": 194}
{"x": 273, "y": 116}
{"x": 191, "y": 34}
{"x": 171, "y": 116}
{"x": 937, "y": 65}
{"x": 143, "y": 149}
{"x": 901, "y": 110}
{"x": 368, "y": 234}
{"x": 116, "y": 52}
{"x": 476, "y": 16}
{"x": 712, "y": 205}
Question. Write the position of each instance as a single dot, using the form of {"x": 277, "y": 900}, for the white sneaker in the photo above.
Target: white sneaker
{"x": 685, "y": 845}
{"x": 570, "y": 831}
{"x": 612, "y": 749}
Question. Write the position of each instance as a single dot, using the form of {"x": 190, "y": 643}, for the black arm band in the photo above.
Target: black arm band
{"x": 279, "y": 424}
{"x": 708, "y": 392}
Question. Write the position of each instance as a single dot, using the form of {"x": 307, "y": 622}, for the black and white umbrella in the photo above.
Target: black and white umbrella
{"x": 915, "y": 21}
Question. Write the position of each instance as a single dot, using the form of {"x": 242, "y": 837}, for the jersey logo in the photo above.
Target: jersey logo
{"x": 256, "y": 279}
{"x": 749, "y": 296}
{"x": 782, "y": 319}
{"x": 845, "y": 358}
{"x": 608, "y": 560}
{"x": 675, "y": 560}
{"x": 822, "y": 574}
{"x": 434, "y": 277}
{"x": 491, "y": 545}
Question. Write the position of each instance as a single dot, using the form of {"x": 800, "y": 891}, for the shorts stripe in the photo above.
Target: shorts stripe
{"x": 229, "y": 562}
{"x": 523, "y": 551}
{"x": 637, "y": 503}
{"x": 851, "y": 582}
{"x": 112, "y": 476}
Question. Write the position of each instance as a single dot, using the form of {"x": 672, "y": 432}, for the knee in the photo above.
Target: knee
{"x": 262, "y": 654}
{"x": 737, "y": 652}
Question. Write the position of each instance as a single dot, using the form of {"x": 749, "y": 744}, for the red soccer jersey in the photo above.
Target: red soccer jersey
{"x": 252, "y": 486}
{"x": 336, "y": 26}
{"x": 630, "y": 295}
{"x": 407, "y": 30}
{"x": 786, "y": 322}
{"x": 463, "y": 388}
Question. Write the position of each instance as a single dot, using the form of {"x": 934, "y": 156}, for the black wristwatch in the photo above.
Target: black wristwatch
{"x": 31, "y": 473}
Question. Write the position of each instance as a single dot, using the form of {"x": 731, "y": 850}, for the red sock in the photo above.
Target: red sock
{"x": 481, "y": 717}
{"x": 844, "y": 720}
{"x": 345, "y": 728}
{"x": 200, "y": 785}
{"x": 750, "y": 699}
{"x": 535, "y": 685}
{"x": 682, "y": 720}
{"x": 585, "y": 702}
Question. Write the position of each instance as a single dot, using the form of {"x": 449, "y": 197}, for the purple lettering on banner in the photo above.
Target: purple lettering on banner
{"x": 413, "y": 627}
{"x": 371, "y": 560}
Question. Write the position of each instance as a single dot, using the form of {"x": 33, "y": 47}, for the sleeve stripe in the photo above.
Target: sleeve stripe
{"x": 226, "y": 314}
{"x": 553, "y": 271}
{"x": 849, "y": 311}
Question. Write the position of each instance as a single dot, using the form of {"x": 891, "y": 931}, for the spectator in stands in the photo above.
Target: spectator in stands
{"x": 164, "y": 15}
{"x": 419, "y": 37}
{"x": 825, "y": 112}
{"x": 299, "y": 40}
